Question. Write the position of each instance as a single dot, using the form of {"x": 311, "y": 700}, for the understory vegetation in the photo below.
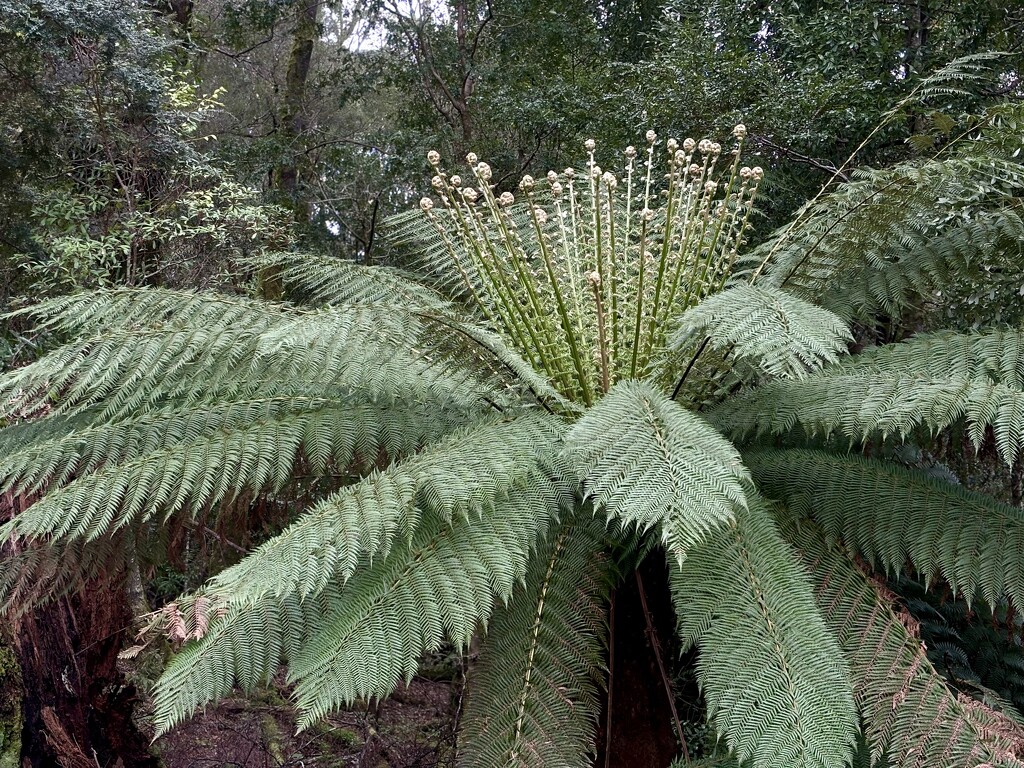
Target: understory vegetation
{"x": 352, "y": 353}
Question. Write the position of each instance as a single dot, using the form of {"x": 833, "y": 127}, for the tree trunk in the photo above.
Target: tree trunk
{"x": 293, "y": 127}
{"x": 10, "y": 705}
{"x": 293, "y": 124}
{"x": 77, "y": 705}
{"x": 636, "y": 728}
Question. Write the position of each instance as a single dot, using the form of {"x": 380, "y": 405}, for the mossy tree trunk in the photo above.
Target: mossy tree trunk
{"x": 293, "y": 128}
{"x": 77, "y": 706}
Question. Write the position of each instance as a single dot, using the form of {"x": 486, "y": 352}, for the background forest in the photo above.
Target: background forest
{"x": 266, "y": 171}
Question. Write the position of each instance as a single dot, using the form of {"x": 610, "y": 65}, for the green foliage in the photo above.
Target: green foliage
{"x": 490, "y": 452}
{"x": 933, "y": 232}
{"x": 533, "y": 697}
{"x": 909, "y": 713}
{"x": 357, "y": 639}
{"x": 785, "y": 336}
{"x": 771, "y": 672}
{"x": 650, "y": 463}
{"x": 584, "y": 278}
{"x": 892, "y": 515}
{"x": 931, "y": 381}
{"x": 462, "y": 474}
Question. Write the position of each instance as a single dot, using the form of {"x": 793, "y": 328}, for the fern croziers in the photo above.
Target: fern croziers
{"x": 585, "y": 271}
{"x": 567, "y": 378}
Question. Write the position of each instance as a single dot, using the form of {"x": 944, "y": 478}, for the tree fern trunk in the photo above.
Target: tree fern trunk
{"x": 77, "y": 705}
{"x": 641, "y": 729}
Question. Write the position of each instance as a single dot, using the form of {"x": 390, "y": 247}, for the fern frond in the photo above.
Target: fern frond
{"x": 471, "y": 470}
{"x": 104, "y": 309}
{"x": 892, "y": 515}
{"x": 775, "y": 683}
{"x": 532, "y": 696}
{"x": 172, "y": 462}
{"x": 649, "y": 462}
{"x": 315, "y": 280}
{"x": 930, "y": 381}
{"x": 356, "y": 640}
{"x": 383, "y": 351}
{"x": 894, "y": 237}
{"x": 910, "y": 716}
{"x": 784, "y": 335}
{"x": 47, "y": 453}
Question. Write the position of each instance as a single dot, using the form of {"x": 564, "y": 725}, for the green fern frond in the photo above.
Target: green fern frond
{"x": 892, "y": 515}
{"x": 434, "y": 590}
{"x": 354, "y": 638}
{"x": 649, "y": 462}
{"x": 47, "y": 453}
{"x": 784, "y": 335}
{"x": 909, "y": 714}
{"x": 471, "y": 470}
{"x": 314, "y": 280}
{"x": 173, "y": 462}
{"x": 892, "y": 238}
{"x": 775, "y": 683}
{"x": 82, "y": 313}
{"x": 532, "y": 696}
{"x": 930, "y": 381}
{"x": 383, "y": 351}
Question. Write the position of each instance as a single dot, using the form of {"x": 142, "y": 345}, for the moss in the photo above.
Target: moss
{"x": 10, "y": 708}
{"x": 273, "y": 738}
{"x": 341, "y": 737}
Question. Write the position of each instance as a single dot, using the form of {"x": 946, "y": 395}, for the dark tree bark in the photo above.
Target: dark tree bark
{"x": 77, "y": 705}
{"x": 293, "y": 128}
{"x": 293, "y": 125}
{"x": 636, "y": 728}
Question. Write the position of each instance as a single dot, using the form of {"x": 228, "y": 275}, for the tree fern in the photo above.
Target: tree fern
{"x": 772, "y": 675}
{"x": 478, "y": 451}
{"x": 892, "y": 515}
{"x": 532, "y": 698}
{"x": 648, "y": 462}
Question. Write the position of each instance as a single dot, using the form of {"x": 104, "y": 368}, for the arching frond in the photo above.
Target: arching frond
{"x": 532, "y": 696}
{"x": 782, "y": 334}
{"x": 895, "y": 237}
{"x": 313, "y": 279}
{"x": 47, "y": 453}
{"x": 475, "y": 469}
{"x": 434, "y": 590}
{"x": 892, "y": 515}
{"x": 355, "y": 638}
{"x": 138, "y": 352}
{"x": 200, "y": 459}
{"x": 775, "y": 683}
{"x": 931, "y": 381}
{"x": 909, "y": 714}
{"x": 647, "y": 461}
